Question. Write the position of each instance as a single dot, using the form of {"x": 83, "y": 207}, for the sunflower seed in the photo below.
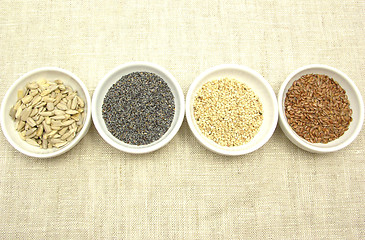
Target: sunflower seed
{"x": 22, "y": 136}
{"x": 74, "y": 103}
{"x": 80, "y": 101}
{"x": 61, "y": 106}
{"x": 34, "y": 112}
{"x": 44, "y": 143}
{"x": 56, "y": 140}
{"x": 27, "y": 99}
{"x": 70, "y": 138}
{"x": 79, "y": 128}
{"x": 73, "y": 125}
{"x": 58, "y": 145}
{"x": 30, "y": 131}
{"x": 20, "y": 94}
{"x": 41, "y": 104}
{"x": 68, "y": 122}
{"x": 20, "y": 126}
{"x": 67, "y": 134}
{"x": 53, "y": 88}
{"x": 17, "y": 105}
{"x": 48, "y": 99}
{"x": 62, "y": 87}
{"x": 32, "y": 85}
{"x": 36, "y": 100}
{"x": 50, "y": 134}
{"x": 48, "y": 120}
{"x": 40, "y": 130}
{"x": 25, "y": 114}
{"x": 46, "y": 127}
{"x": 45, "y": 92}
{"x": 71, "y": 112}
{"x": 55, "y": 127}
{"x": 32, "y": 135}
{"x": 57, "y": 124}
{"x": 76, "y": 117}
{"x": 12, "y": 113}
{"x": 59, "y": 112}
{"x": 40, "y": 120}
{"x": 46, "y": 114}
{"x": 31, "y": 122}
{"x": 71, "y": 96}
{"x": 68, "y": 104}
{"x": 50, "y": 106}
{"x": 58, "y": 117}
{"x": 32, "y": 142}
{"x": 62, "y": 131}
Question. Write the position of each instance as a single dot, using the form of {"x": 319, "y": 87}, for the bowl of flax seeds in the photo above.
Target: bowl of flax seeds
{"x": 320, "y": 109}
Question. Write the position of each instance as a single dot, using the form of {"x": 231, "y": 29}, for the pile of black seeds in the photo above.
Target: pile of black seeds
{"x": 139, "y": 108}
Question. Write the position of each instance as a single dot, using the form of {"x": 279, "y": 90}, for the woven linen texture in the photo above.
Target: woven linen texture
{"x": 182, "y": 191}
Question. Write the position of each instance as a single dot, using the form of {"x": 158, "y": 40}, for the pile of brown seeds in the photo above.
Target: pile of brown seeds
{"x": 228, "y": 112}
{"x": 48, "y": 114}
{"x": 317, "y": 108}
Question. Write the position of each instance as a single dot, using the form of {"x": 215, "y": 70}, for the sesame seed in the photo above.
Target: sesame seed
{"x": 228, "y": 112}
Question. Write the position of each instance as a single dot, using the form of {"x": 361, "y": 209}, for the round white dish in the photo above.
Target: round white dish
{"x": 112, "y": 77}
{"x": 10, "y": 98}
{"x": 356, "y": 104}
{"x": 261, "y": 88}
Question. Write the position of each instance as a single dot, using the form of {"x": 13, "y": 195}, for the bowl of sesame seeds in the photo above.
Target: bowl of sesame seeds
{"x": 138, "y": 107}
{"x": 46, "y": 112}
{"x": 320, "y": 108}
{"x": 231, "y": 109}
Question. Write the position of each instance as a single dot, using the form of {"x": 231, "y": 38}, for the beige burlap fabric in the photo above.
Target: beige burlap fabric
{"x": 182, "y": 191}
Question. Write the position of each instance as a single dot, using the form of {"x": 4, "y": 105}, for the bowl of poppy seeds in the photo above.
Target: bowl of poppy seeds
{"x": 138, "y": 107}
{"x": 320, "y": 109}
{"x": 231, "y": 109}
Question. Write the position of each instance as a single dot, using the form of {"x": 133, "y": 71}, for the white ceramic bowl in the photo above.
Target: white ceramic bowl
{"x": 112, "y": 77}
{"x": 356, "y": 104}
{"x": 261, "y": 88}
{"x": 10, "y": 98}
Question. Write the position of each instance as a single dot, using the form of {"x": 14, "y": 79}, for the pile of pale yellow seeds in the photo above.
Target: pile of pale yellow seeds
{"x": 228, "y": 112}
{"x": 48, "y": 114}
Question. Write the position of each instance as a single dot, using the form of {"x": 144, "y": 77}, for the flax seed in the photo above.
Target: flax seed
{"x": 319, "y": 103}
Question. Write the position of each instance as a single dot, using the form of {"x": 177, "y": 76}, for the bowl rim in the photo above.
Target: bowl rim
{"x": 79, "y": 136}
{"x": 96, "y": 115}
{"x": 289, "y": 132}
{"x": 189, "y": 114}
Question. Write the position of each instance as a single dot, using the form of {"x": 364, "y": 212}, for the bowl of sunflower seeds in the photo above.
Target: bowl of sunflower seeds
{"x": 46, "y": 112}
